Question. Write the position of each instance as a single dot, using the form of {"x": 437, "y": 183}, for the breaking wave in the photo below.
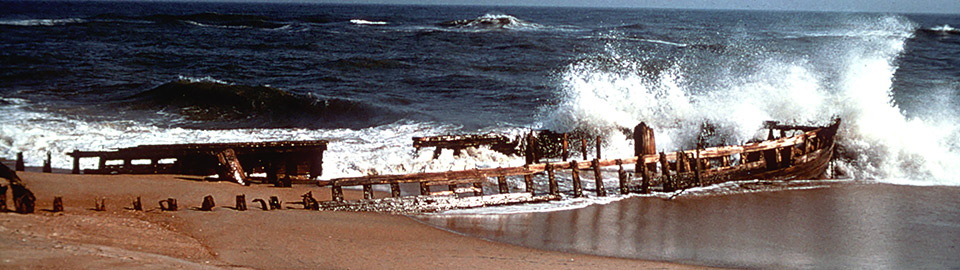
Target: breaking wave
{"x": 209, "y": 100}
{"x": 492, "y": 21}
{"x": 42, "y": 22}
{"x": 366, "y": 22}
{"x": 945, "y": 29}
{"x": 851, "y": 79}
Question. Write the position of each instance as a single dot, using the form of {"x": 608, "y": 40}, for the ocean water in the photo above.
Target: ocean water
{"x": 103, "y": 75}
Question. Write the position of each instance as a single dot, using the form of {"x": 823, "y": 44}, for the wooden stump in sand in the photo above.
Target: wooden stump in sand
{"x": 208, "y": 203}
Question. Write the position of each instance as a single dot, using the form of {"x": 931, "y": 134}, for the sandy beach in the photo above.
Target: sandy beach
{"x": 291, "y": 238}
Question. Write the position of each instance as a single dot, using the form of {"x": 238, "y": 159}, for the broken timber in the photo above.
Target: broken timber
{"x": 292, "y": 159}
{"x": 803, "y": 156}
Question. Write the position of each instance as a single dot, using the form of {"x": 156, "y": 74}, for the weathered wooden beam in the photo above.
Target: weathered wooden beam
{"x": 583, "y": 147}
{"x": 575, "y": 174}
{"x": 395, "y": 189}
{"x": 170, "y": 206}
{"x": 337, "y": 193}
{"x": 242, "y": 202}
{"x": 57, "y": 204}
{"x": 207, "y": 204}
{"x": 100, "y": 204}
{"x": 528, "y": 184}
{"x": 622, "y": 176}
{"x": 19, "y": 166}
{"x": 47, "y": 164}
{"x": 137, "y": 204}
{"x": 598, "y": 178}
{"x": 230, "y": 168}
{"x": 275, "y": 203}
{"x": 502, "y": 184}
{"x": 565, "y": 150}
{"x": 552, "y": 180}
{"x": 368, "y": 191}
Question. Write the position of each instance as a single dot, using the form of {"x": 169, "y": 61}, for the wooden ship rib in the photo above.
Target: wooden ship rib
{"x": 805, "y": 155}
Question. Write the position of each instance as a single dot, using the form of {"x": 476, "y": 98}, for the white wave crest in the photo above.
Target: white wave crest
{"x": 878, "y": 141}
{"x": 41, "y": 22}
{"x": 366, "y": 22}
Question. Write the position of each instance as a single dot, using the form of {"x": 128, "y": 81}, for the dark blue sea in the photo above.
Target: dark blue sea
{"x": 80, "y": 75}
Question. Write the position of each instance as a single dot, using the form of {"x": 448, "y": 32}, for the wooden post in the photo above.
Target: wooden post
{"x": 100, "y": 204}
{"x": 598, "y": 147}
{"x": 554, "y": 188}
{"x": 645, "y": 174}
{"x": 531, "y": 155}
{"x": 137, "y": 204}
{"x": 644, "y": 143}
{"x": 622, "y": 174}
{"x": 681, "y": 168}
{"x": 478, "y": 189}
{"x": 171, "y": 204}
{"x": 102, "y": 164}
{"x": 502, "y": 184}
{"x": 337, "y": 192}
{"x": 207, "y": 204}
{"x": 275, "y": 203}
{"x": 316, "y": 164}
{"x": 565, "y": 151}
{"x": 583, "y": 147}
{"x": 395, "y": 190}
{"x": 575, "y": 174}
{"x": 309, "y": 203}
{"x": 46, "y": 164}
{"x": 367, "y": 192}
{"x": 289, "y": 170}
{"x": 596, "y": 175}
{"x": 665, "y": 173}
{"x": 528, "y": 184}
{"x": 424, "y": 189}
{"x": 697, "y": 167}
{"x": 230, "y": 168}
{"x": 272, "y": 172}
{"x": 19, "y": 166}
{"x": 241, "y": 202}
{"x": 57, "y": 204}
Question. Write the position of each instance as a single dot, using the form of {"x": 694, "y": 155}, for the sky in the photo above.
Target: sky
{"x": 894, "y": 6}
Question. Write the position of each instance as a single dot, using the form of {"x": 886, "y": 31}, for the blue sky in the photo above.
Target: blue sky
{"x": 896, "y": 6}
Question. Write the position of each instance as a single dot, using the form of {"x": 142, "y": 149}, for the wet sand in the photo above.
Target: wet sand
{"x": 81, "y": 238}
{"x": 847, "y": 226}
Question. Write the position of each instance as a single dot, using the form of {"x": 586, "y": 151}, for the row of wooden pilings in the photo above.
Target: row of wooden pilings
{"x": 644, "y": 143}
{"x": 208, "y": 204}
{"x": 642, "y": 134}
{"x": 19, "y": 166}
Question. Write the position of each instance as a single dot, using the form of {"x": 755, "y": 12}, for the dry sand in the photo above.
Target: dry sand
{"x": 225, "y": 238}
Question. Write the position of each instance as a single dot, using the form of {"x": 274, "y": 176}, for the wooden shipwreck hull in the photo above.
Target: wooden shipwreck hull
{"x": 805, "y": 155}
{"x": 289, "y": 159}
